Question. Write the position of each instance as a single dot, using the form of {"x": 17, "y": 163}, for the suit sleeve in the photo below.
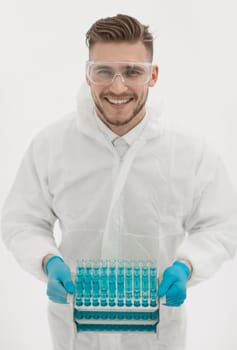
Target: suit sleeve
{"x": 27, "y": 215}
{"x": 212, "y": 224}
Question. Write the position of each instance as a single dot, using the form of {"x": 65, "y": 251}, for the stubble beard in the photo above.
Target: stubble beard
{"x": 109, "y": 121}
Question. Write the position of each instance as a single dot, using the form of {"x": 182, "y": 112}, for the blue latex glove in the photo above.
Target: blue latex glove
{"x": 59, "y": 280}
{"x": 173, "y": 284}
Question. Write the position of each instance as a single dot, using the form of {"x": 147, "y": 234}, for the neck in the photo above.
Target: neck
{"x": 122, "y": 129}
{"x": 119, "y": 130}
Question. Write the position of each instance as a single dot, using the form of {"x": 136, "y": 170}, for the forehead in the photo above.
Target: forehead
{"x": 122, "y": 51}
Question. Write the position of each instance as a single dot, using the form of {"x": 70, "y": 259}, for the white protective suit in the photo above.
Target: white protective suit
{"x": 169, "y": 198}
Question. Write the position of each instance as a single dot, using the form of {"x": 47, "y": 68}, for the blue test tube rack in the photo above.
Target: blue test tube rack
{"x": 116, "y": 295}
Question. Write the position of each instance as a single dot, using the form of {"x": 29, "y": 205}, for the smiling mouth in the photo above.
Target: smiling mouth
{"x": 120, "y": 101}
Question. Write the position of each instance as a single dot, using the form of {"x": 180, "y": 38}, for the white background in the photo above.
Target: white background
{"x": 41, "y": 69}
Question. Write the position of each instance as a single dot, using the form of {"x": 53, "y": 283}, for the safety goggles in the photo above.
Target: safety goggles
{"x": 131, "y": 73}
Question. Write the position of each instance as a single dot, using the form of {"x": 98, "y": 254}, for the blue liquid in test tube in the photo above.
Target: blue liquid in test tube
{"x": 153, "y": 284}
{"x": 88, "y": 280}
{"x": 95, "y": 284}
{"x": 137, "y": 285}
{"x": 104, "y": 284}
{"x": 112, "y": 284}
{"x": 79, "y": 285}
{"x": 120, "y": 284}
{"x": 144, "y": 285}
{"x": 128, "y": 284}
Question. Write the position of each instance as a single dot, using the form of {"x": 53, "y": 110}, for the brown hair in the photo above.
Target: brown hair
{"x": 117, "y": 29}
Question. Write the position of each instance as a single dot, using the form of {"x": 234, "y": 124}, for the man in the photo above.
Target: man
{"x": 121, "y": 185}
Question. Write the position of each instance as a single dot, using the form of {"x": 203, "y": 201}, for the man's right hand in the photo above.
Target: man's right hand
{"x": 59, "y": 280}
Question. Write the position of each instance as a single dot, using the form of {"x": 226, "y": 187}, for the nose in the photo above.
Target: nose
{"x": 118, "y": 85}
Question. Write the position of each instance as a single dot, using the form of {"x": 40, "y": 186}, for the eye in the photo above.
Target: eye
{"x": 103, "y": 71}
{"x": 134, "y": 71}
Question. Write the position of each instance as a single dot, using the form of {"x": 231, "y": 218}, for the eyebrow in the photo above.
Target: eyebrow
{"x": 100, "y": 65}
{"x": 122, "y": 64}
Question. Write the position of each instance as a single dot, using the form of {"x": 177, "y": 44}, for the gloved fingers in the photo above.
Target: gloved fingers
{"x": 176, "y": 294}
{"x": 165, "y": 284}
{"x": 173, "y": 303}
{"x": 62, "y": 299}
{"x": 56, "y": 292}
{"x": 177, "y": 290}
{"x": 64, "y": 275}
{"x": 69, "y": 286}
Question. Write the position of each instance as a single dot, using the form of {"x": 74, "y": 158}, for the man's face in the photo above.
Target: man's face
{"x": 118, "y": 105}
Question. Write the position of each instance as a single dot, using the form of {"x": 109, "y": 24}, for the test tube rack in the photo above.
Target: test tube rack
{"x": 116, "y": 295}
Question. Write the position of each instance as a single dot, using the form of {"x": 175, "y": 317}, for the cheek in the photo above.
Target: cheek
{"x": 143, "y": 94}
{"x": 139, "y": 93}
{"x": 97, "y": 91}
{"x": 95, "y": 94}
{"x": 98, "y": 97}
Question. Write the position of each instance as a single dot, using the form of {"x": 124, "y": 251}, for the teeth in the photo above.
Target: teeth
{"x": 118, "y": 102}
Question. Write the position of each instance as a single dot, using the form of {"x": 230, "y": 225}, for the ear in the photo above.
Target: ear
{"x": 154, "y": 75}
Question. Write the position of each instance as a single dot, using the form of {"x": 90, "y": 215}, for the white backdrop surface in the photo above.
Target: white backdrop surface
{"x": 41, "y": 69}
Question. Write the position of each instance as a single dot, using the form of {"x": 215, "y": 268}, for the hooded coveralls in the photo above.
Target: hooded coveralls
{"x": 168, "y": 198}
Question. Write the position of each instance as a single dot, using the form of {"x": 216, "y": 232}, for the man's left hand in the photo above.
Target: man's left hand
{"x": 174, "y": 284}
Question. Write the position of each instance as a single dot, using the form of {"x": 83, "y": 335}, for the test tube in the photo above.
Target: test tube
{"x": 120, "y": 283}
{"x": 95, "y": 284}
{"x": 128, "y": 283}
{"x": 144, "y": 284}
{"x": 153, "y": 283}
{"x": 136, "y": 285}
{"x": 79, "y": 284}
{"x": 104, "y": 283}
{"x": 112, "y": 283}
{"x": 88, "y": 280}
